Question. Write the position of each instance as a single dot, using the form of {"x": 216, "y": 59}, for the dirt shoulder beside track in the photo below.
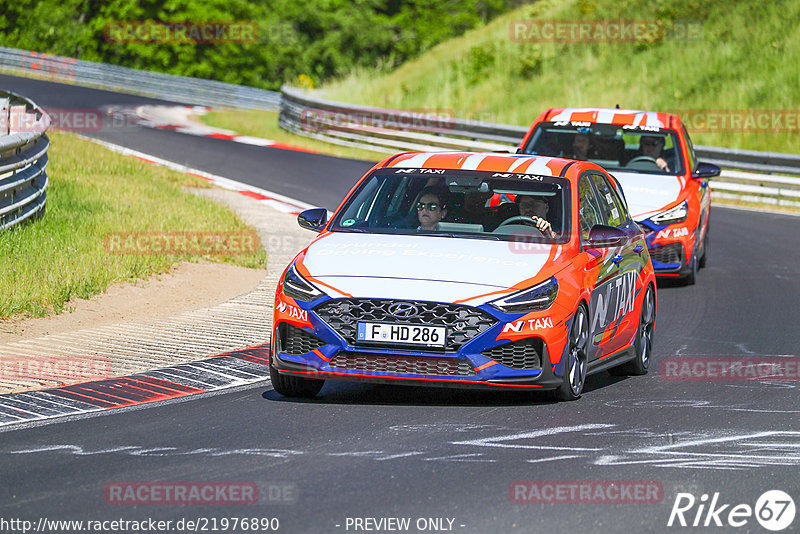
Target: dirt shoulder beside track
{"x": 196, "y": 311}
{"x": 188, "y": 286}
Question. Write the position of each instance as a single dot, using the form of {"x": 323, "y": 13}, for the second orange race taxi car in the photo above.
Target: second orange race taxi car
{"x": 419, "y": 279}
{"x": 652, "y": 156}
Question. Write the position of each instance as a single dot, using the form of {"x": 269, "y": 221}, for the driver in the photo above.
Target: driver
{"x": 430, "y": 209}
{"x": 651, "y": 146}
{"x": 536, "y": 208}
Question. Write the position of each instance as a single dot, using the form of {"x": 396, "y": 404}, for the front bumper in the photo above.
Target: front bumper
{"x": 668, "y": 254}
{"x": 668, "y": 258}
{"x": 481, "y": 359}
{"x": 544, "y": 379}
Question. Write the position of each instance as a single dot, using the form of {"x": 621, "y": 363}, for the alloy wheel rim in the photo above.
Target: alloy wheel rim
{"x": 577, "y": 359}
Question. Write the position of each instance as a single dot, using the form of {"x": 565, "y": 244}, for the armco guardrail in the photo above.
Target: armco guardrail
{"x": 166, "y": 86}
{"x": 390, "y": 130}
{"x": 23, "y": 159}
{"x": 750, "y": 160}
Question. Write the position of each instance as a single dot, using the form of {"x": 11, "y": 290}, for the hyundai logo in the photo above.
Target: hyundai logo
{"x": 403, "y": 310}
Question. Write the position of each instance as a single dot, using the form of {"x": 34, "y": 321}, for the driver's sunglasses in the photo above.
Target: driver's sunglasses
{"x": 430, "y": 206}
{"x": 651, "y": 142}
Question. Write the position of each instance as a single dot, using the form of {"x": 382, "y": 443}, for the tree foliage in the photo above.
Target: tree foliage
{"x": 320, "y": 39}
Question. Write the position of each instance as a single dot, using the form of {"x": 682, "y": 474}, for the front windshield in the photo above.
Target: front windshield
{"x": 472, "y": 204}
{"x": 645, "y": 149}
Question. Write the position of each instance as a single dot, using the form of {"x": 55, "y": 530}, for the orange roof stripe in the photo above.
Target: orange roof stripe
{"x": 479, "y": 161}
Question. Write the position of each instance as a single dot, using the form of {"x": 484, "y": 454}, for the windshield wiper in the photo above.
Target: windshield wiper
{"x": 359, "y": 230}
{"x": 460, "y": 236}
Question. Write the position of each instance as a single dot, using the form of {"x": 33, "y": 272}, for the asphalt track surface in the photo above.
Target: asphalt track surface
{"x": 361, "y": 451}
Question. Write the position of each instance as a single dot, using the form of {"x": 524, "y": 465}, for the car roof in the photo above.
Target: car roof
{"x": 622, "y": 117}
{"x": 485, "y": 161}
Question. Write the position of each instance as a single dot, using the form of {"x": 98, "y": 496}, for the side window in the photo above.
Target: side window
{"x": 609, "y": 203}
{"x": 589, "y": 212}
{"x": 692, "y": 156}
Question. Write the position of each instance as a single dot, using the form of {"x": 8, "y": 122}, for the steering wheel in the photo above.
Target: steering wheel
{"x": 643, "y": 158}
{"x": 524, "y": 219}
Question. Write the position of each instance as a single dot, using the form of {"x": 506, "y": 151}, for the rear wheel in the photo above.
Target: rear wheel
{"x": 293, "y": 386}
{"x": 643, "y": 343}
{"x": 575, "y": 372}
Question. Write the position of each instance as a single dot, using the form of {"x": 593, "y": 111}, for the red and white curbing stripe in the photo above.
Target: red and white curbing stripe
{"x": 180, "y": 119}
{"x": 227, "y": 371}
{"x": 279, "y": 202}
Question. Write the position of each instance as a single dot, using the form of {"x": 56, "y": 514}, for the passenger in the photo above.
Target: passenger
{"x": 431, "y": 209}
{"x": 581, "y": 144}
{"x": 536, "y": 208}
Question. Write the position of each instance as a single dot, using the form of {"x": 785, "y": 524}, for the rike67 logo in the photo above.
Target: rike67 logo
{"x": 774, "y": 510}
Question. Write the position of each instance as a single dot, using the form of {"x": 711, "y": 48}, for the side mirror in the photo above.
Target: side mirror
{"x": 706, "y": 170}
{"x": 313, "y": 219}
{"x": 602, "y": 236}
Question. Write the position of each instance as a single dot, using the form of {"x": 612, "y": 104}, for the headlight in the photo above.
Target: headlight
{"x": 298, "y": 287}
{"x": 539, "y": 297}
{"x": 672, "y": 215}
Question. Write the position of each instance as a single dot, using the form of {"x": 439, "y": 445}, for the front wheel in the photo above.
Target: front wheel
{"x": 702, "y": 263}
{"x": 294, "y": 386}
{"x": 643, "y": 343}
{"x": 575, "y": 372}
{"x": 691, "y": 278}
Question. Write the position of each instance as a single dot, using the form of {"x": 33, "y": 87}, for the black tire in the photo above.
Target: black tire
{"x": 294, "y": 386}
{"x": 691, "y": 278}
{"x": 702, "y": 263}
{"x": 577, "y": 359}
{"x": 643, "y": 343}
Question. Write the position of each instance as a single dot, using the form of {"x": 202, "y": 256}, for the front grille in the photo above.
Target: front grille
{"x": 296, "y": 341}
{"x": 357, "y": 361}
{"x": 523, "y": 355}
{"x": 672, "y": 253}
{"x": 463, "y": 322}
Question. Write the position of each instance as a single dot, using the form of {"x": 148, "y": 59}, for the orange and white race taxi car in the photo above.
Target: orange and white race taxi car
{"x": 418, "y": 279}
{"x": 652, "y": 156}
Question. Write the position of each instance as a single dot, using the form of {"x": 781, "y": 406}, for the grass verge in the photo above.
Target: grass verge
{"x": 93, "y": 194}
{"x": 264, "y": 124}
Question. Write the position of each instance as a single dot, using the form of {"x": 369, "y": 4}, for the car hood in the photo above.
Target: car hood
{"x": 422, "y": 267}
{"x": 647, "y": 194}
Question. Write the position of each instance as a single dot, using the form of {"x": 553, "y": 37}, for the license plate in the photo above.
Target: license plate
{"x": 429, "y": 336}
